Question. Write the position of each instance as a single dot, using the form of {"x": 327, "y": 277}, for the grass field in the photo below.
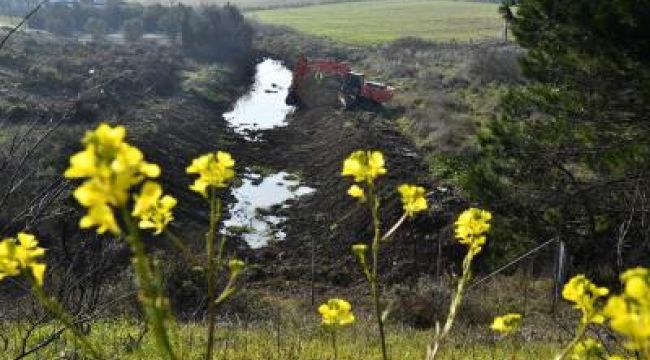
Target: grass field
{"x": 266, "y": 341}
{"x": 385, "y": 20}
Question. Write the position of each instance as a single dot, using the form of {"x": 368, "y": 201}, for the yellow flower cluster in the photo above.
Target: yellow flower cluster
{"x": 472, "y": 227}
{"x": 152, "y": 208}
{"x": 364, "y": 166}
{"x": 629, "y": 312}
{"x": 336, "y": 312}
{"x": 214, "y": 170}
{"x": 413, "y": 198}
{"x": 506, "y": 324}
{"x": 584, "y": 294}
{"x": 22, "y": 255}
{"x": 111, "y": 168}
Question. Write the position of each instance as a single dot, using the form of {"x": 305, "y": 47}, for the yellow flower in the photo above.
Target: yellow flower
{"x": 629, "y": 312}
{"x": 20, "y": 255}
{"x": 235, "y": 266}
{"x": 214, "y": 170}
{"x": 102, "y": 217}
{"x": 506, "y": 324}
{"x": 413, "y": 199}
{"x": 364, "y": 165}
{"x": 471, "y": 228}
{"x": 588, "y": 349}
{"x": 584, "y": 294}
{"x": 336, "y": 312}
{"x": 360, "y": 249}
{"x": 357, "y": 192}
{"x": 111, "y": 168}
{"x": 152, "y": 208}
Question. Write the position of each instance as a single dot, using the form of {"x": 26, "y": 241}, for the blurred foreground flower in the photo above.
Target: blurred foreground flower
{"x": 336, "y": 312}
{"x": 584, "y": 294}
{"x": 111, "y": 168}
{"x": 152, "y": 208}
{"x": 506, "y": 324}
{"x": 629, "y": 312}
{"x": 21, "y": 256}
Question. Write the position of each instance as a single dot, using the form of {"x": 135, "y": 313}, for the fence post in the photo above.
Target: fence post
{"x": 559, "y": 276}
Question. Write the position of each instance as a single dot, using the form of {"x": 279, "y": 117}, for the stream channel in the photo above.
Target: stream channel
{"x": 262, "y": 108}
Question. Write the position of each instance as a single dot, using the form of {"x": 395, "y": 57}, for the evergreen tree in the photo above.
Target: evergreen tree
{"x": 570, "y": 153}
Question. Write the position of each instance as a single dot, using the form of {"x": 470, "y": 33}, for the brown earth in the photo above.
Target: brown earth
{"x": 139, "y": 86}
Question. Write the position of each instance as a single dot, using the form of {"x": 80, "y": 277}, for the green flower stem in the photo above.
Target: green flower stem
{"x": 453, "y": 307}
{"x": 150, "y": 295}
{"x": 336, "y": 355}
{"x": 582, "y": 329}
{"x": 374, "y": 284}
{"x": 57, "y": 310}
{"x": 215, "y": 217}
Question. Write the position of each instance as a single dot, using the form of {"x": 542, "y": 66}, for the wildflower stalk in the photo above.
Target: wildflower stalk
{"x": 212, "y": 267}
{"x": 150, "y": 295}
{"x": 432, "y": 351}
{"x": 57, "y": 311}
{"x": 336, "y": 355}
{"x": 374, "y": 278}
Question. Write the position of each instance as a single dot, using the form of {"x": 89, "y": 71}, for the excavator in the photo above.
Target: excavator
{"x": 354, "y": 88}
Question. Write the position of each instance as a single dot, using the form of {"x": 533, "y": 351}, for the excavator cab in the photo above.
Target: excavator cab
{"x": 352, "y": 83}
{"x": 351, "y": 89}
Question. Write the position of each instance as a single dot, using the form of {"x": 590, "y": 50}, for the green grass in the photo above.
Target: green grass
{"x": 298, "y": 339}
{"x": 385, "y": 20}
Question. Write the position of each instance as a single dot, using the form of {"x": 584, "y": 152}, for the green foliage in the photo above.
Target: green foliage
{"x": 571, "y": 148}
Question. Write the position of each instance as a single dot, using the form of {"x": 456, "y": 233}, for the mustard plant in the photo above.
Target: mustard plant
{"x": 471, "y": 230}
{"x": 215, "y": 171}
{"x": 112, "y": 170}
{"x": 21, "y": 256}
{"x": 508, "y": 325}
{"x": 365, "y": 167}
{"x": 335, "y": 313}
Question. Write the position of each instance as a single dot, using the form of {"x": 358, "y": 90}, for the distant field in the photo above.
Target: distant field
{"x": 8, "y": 20}
{"x": 246, "y": 4}
{"x": 385, "y": 20}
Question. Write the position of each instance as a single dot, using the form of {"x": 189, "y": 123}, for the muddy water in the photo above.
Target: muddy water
{"x": 263, "y": 107}
{"x": 255, "y": 195}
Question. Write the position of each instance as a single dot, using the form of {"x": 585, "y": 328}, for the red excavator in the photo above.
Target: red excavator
{"x": 354, "y": 87}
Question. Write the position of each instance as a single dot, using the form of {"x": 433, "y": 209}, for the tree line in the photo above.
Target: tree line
{"x": 210, "y": 32}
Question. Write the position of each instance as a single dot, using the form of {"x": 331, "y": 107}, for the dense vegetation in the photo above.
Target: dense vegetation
{"x": 569, "y": 154}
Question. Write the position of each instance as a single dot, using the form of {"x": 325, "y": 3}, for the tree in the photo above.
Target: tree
{"x": 569, "y": 155}
{"x": 133, "y": 29}
{"x": 97, "y": 28}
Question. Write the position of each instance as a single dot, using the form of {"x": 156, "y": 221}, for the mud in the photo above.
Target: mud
{"x": 139, "y": 86}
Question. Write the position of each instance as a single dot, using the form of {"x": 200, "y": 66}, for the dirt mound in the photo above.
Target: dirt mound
{"x": 315, "y": 144}
{"x": 319, "y": 91}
